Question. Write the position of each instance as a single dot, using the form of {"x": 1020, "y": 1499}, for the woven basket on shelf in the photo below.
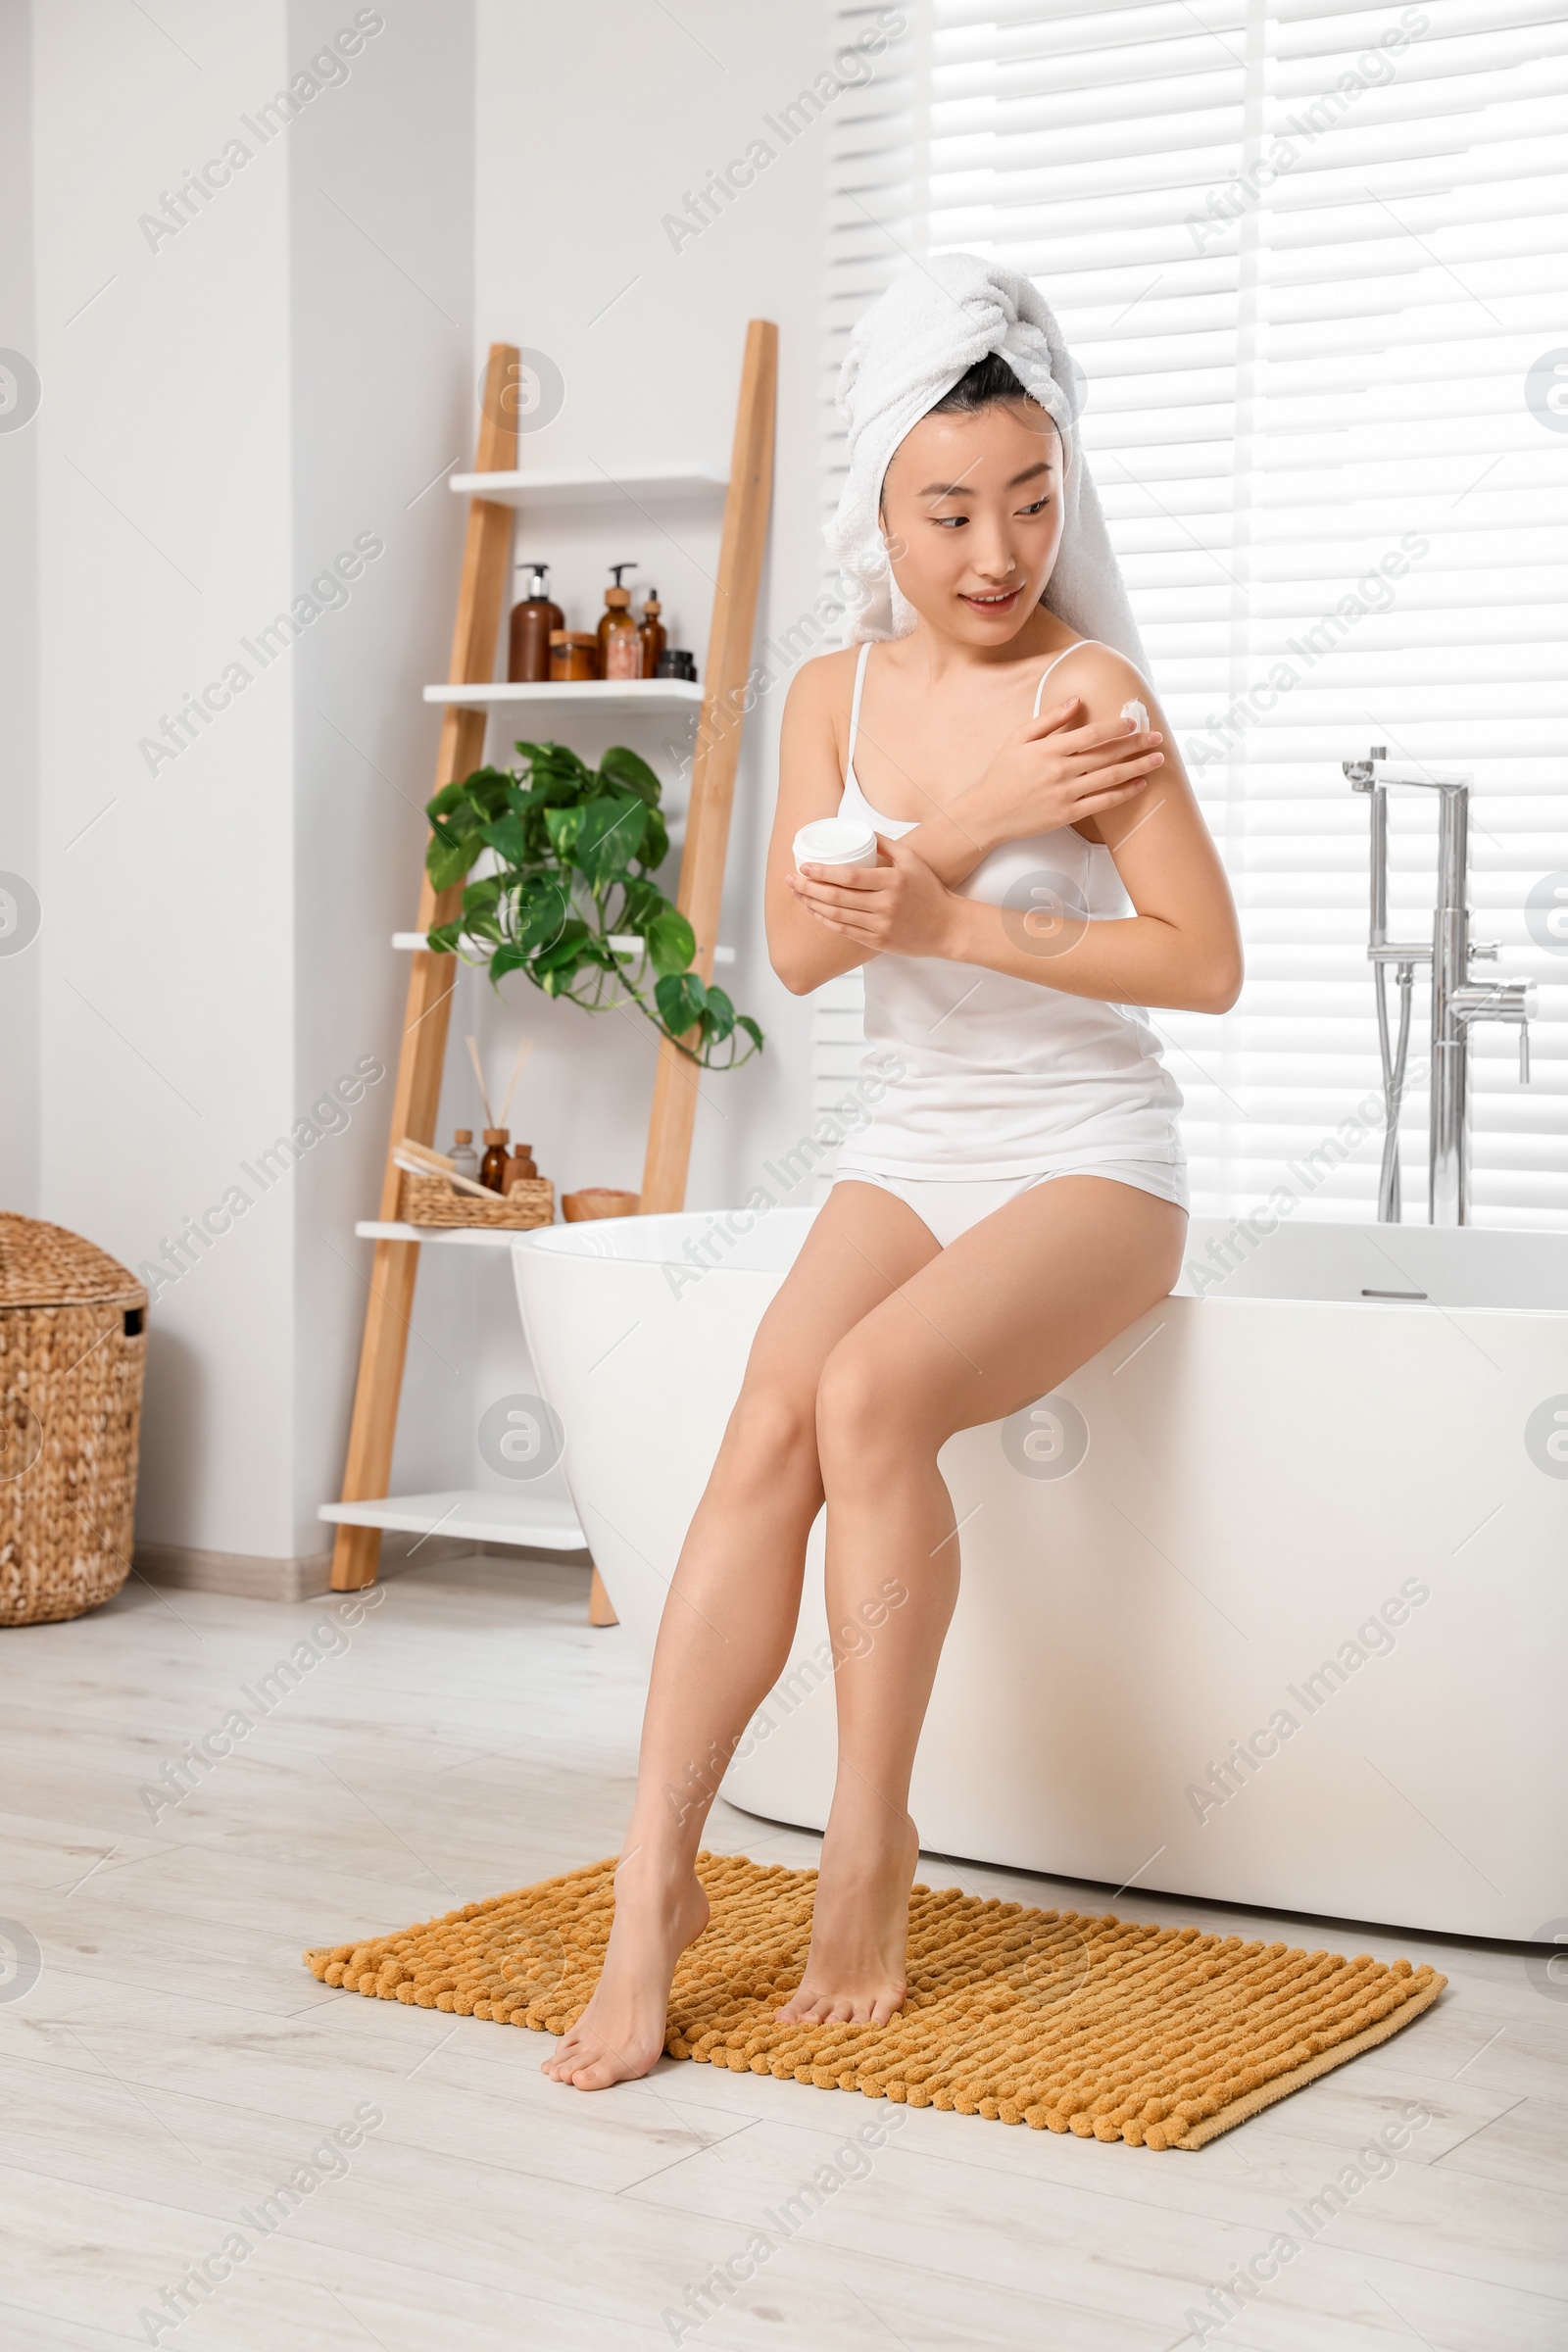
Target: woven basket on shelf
{"x": 431, "y": 1201}
{"x": 72, "y": 1325}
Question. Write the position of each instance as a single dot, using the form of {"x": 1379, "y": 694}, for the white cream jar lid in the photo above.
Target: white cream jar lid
{"x": 835, "y": 840}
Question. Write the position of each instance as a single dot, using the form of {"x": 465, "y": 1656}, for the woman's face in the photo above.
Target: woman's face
{"x": 971, "y": 510}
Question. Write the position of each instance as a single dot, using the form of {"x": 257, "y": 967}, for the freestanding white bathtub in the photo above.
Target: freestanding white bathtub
{"x": 1269, "y": 1603}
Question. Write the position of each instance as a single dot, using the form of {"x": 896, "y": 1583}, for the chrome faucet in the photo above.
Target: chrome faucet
{"x": 1457, "y": 997}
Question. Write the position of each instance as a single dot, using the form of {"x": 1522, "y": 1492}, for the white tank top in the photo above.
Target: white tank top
{"x": 1005, "y": 1077}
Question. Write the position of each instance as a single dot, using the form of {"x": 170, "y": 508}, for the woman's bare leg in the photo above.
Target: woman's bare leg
{"x": 730, "y": 1619}
{"x": 997, "y": 1319}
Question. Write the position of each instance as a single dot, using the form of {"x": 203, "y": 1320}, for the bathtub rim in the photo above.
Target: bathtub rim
{"x": 658, "y": 1241}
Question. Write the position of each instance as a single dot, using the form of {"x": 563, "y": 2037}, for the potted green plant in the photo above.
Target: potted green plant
{"x": 567, "y": 893}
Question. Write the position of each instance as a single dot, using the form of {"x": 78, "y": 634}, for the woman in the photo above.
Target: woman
{"x": 1017, "y": 1198}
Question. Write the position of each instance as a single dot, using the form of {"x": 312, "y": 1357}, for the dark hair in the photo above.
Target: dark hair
{"x": 981, "y": 387}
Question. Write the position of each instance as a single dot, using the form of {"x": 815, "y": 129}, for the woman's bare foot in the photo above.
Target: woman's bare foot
{"x": 859, "y": 1928}
{"x": 620, "y": 2034}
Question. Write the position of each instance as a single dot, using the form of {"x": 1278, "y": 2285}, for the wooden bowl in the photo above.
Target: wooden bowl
{"x": 598, "y": 1200}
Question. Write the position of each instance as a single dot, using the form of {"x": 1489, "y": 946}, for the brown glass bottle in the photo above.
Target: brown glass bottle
{"x": 497, "y": 1151}
{"x": 521, "y": 1163}
{"x": 651, "y": 629}
{"x": 532, "y": 619}
{"x": 621, "y": 645}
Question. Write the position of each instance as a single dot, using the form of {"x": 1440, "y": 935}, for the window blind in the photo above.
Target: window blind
{"x": 1311, "y": 260}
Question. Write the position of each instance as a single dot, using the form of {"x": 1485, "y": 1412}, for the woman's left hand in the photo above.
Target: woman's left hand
{"x": 895, "y": 908}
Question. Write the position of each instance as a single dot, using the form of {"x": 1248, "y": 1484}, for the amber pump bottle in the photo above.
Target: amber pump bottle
{"x": 651, "y": 629}
{"x": 620, "y": 644}
{"x": 532, "y": 619}
{"x": 497, "y": 1152}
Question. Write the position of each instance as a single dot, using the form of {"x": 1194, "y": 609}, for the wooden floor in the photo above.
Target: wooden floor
{"x": 173, "y": 2066}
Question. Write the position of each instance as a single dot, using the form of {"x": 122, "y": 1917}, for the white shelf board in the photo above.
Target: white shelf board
{"x": 603, "y": 693}
{"x": 565, "y": 486}
{"x": 478, "y": 1237}
{"x": 536, "y": 1520}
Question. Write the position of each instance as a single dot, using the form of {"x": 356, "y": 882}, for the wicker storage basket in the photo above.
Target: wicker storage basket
{"x": 431, "y": 1201}
{"x": 73, "y": 1343}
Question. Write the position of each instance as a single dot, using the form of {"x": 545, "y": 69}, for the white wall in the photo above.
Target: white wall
{"x": 582, "y": 149}
{"x": 20, "y": 958}
{"x": 226, "y": 410}
{"x": 164, "y": 447}
{"x": 381, "y": 244}
{"x": 232, "y": 407}
{"x": 582, "y": 146}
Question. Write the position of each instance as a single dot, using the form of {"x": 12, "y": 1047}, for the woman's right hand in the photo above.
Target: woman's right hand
{"x": 1050, "y": 773}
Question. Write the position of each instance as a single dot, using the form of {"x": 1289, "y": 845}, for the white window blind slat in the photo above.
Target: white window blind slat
{"x": 1289, "y": 371}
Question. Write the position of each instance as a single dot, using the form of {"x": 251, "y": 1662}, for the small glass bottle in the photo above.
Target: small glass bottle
{"x": 651, "y": 629}
{"x": 620, "y": 644}
{"x": 464, "y": 1158}
{"x": 497, "y": 1151}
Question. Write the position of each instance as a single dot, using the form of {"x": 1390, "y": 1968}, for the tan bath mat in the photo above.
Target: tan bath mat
{"x": 1160, "y": 2037}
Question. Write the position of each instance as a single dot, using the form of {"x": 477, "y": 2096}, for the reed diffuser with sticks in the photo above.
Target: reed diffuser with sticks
{"x": 501, "y": 1167}
{"x": 435, "y": 1192}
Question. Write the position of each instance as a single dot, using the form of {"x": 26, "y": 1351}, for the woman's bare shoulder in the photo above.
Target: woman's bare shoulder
{"x": 1100, "y": 673}
{"x": 816, "y": 707}
{"x": 824, "y": 683}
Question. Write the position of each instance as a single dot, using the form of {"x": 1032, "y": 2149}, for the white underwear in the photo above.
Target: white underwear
{"x": 948, "y": 1209}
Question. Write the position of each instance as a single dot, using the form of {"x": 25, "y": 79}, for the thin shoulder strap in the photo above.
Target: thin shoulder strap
{"x": 1051, "y": 666}
{"x": 854, "y": 707}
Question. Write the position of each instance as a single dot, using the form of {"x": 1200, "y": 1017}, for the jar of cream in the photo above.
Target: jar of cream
{"x": 835, "y": 840}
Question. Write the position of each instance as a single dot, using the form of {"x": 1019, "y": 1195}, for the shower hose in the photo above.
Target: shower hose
{"x": 1394, "y": 1068}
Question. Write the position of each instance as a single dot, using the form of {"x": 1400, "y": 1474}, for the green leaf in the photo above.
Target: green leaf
{"x": 507, "y": 960}
{"x": 672, "y": 941}
{"x": 680, "y": 998}
{"x": 566, "y": 950}
{"x": 446, "y": 866}
{"x": 744, "y": 1020}
{"x": 484, "y": 785}
{"x": 655, "y": 843}
{"x": 625, "y": 768}
{"x": 564, "y": 825}
{"x": 481, "y": 897}
{"x": 460, "y": 825}
{"x": 641, "y": 903}
{"x": 507, "y": 838}
{"x": 542, "y": 916}
{"x": 443, "y": 940}
{"x": 608, "y": 835}
{"x": 558, "y": 774}
{"x": 720, "y": 1014}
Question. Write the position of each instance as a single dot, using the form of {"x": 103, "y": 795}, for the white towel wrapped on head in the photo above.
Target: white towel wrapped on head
{"x": 933, "y": 323}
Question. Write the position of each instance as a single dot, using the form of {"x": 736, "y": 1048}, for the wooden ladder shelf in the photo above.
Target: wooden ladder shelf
{"x": 422, "y": 1058}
